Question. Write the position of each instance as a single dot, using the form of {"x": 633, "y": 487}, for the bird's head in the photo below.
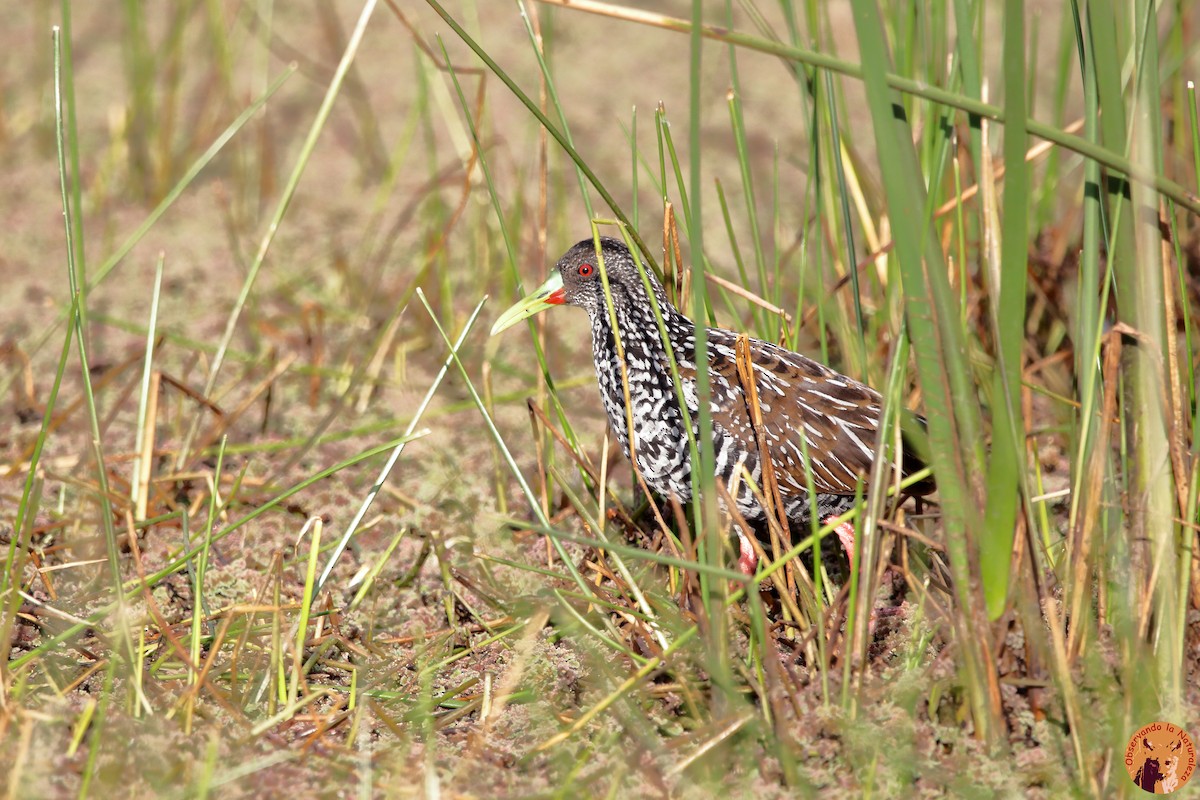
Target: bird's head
{"x": 576, "y": 280}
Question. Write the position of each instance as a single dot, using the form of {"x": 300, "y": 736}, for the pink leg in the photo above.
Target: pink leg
{"x": 747, "y": 558}
{"x": 845, "y": 533}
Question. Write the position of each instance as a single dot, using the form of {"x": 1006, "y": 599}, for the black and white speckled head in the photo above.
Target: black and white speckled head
{"x": 582, "y": 285}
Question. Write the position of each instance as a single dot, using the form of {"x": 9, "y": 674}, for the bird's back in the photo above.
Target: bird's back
{"x": 809, "y": 414}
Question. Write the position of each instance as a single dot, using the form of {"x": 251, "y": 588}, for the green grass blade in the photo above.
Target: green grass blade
{"x": 1005, "y": 475}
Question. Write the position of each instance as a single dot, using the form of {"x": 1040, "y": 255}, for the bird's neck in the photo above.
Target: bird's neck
{"x": 639, "y": 331}
{"x": 646, "y": 373}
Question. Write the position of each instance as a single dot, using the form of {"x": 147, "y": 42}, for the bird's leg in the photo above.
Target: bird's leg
{"x": 845, "y": 534}
{"x": 747, "y": 558}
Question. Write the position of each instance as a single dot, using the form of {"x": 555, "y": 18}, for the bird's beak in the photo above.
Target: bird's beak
{"x": 550, "y": 293}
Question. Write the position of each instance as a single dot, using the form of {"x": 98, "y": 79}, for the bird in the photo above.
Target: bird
{"x": 814, "y": 420}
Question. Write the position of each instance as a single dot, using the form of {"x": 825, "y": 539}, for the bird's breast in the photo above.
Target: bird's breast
{"x": 659, "y": 440}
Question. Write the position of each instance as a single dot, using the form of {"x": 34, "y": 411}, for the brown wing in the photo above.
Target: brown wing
{"x": 837, "y": 417}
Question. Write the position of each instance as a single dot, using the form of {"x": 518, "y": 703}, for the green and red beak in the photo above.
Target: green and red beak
{"x": 549, "y": 294}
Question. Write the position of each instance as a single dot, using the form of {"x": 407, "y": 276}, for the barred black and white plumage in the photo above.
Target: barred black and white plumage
{"x": 806, "y": 407}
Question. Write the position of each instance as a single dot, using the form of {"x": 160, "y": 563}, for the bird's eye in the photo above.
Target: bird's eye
{"x": 586, "y": 270}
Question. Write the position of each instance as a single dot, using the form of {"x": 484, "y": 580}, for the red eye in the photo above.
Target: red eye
{"x": 585, "y": 270}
